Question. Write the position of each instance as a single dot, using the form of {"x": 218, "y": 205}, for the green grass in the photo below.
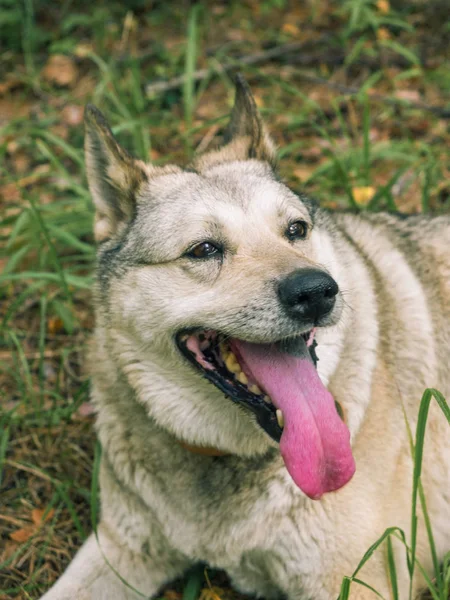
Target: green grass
{"x": 438, "y": 586}
{"x": 331, "y": 143}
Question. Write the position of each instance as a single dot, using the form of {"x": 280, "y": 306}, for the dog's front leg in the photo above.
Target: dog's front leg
{"x": 124, "y": 575}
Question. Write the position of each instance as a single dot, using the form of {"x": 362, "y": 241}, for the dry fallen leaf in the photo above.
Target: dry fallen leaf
{"x": 23, "y": 535}
{"x": 61, "y": 70}
{"x": 383, "y": 6}
{"x": 10, "y": 193}
{"x": 172, "y": 595}
{"x": 12, "y": 147}
{"x": 363, "y": 195}
{"x": 8, "y": 85}
{"x": 303, "y": 173}
{"x": 383, "y": 34}
{"x": 21, "y": 162}
{"x": 9, "y": 549}
{"x": 410, "y": 95}
{"x": 212, "y": 593}
{"x": 37, "y": 515}
{"x": 54, "y": 325}
{"x": 290, "y": 29}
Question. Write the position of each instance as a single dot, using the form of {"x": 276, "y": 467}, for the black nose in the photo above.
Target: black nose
{"x": 308, "y": 294}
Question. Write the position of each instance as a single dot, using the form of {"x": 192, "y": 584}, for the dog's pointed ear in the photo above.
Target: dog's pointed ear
{"x": 246, "y": 123}
{"x": 114, "y": 177}
{"x": 245, "y": 136}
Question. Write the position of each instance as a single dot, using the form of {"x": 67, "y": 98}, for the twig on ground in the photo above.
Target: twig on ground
{"x": 250, "y": 59}
{"x": 439, "y": 111}
{"x": 267, "y": 55}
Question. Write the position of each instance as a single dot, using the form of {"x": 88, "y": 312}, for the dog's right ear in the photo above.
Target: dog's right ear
{"x": 114, "y": 177}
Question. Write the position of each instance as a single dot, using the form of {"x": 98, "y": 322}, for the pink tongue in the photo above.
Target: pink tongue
{"x": 315, "y": 443}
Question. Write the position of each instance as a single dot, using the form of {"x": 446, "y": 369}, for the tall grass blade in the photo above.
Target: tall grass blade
{"x": 190, "y": 61}
{"x": 95, "y": 502}
{"x": 4, "y": 438}
{"x": 392, "y": 568}
{"x": 195, "y": 579}
{"x": 418, "y": 457}
{"x": 366, "y": 141}
{"x": 51, "y": 248}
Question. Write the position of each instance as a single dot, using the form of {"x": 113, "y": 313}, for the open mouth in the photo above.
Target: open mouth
{"x": 279, "y": 383}
{"x": 217, "y": 356}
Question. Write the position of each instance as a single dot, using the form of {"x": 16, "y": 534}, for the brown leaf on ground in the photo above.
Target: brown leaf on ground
{"x": 172, "y": 595}
{"x": 41, "y": 515}
{"x": 61, "y": 70}
{"x": 383, "y": 6}
{"x": 38, "y": 173}
{"x": 60, "y": 130}
{"x": 23, "y": 535}
{"x": 10, "y": 192}
{"x": 410, "y": 95}
{"x": 21, "y": 162}
{"x": 54, "y": 325}
{"x": 363, "y": 195}
{"x": 8, "y": 85}
{"x": 211, "y": 593}
{"x": 13, "y": 107}
{"x": 303, "y": 173}
{"x": 383, "y": 34}
{"x": 291, "y": 29}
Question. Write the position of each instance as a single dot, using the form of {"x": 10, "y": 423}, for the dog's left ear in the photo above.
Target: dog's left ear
{"x": 245, "y": 137}
{"x": 114, "y": 176}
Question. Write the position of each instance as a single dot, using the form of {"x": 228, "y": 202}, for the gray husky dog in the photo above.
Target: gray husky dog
{"x": 255, "y": 363}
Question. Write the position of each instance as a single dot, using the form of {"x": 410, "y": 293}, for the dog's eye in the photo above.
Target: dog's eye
{"x": 204, "y": 250}
{"x": 297, "y": 231}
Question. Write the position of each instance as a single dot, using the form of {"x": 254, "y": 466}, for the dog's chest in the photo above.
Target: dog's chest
{"x": 260, "y": 529}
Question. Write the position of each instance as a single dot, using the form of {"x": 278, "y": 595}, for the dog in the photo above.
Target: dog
{"x": 255, "y": 363}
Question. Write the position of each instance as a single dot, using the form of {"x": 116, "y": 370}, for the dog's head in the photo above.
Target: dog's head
{"x": 212, "y": 282}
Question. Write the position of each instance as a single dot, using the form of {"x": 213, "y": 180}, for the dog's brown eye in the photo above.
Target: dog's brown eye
{"x": 203, "y": 250}
{"x": 297, "y": 230}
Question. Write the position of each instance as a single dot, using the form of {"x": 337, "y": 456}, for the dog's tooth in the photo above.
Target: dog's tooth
{"x": 267, "y": 399}
{"x": 242, "y": 378}
{"x": 232, "y": 363}
{"x": 280, "y": 418}
{"x": 255, "y": 389}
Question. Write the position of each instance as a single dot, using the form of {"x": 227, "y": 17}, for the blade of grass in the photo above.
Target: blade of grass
{"x": 418, "y": 457}
{"x": 72, "y": 511}
{"x": 19, "y": 300}
{"x": 73, "y": 280}
{"x": 366, "y": 140}
{"x": 42, "y": 335}
{"x": 95, "y": 486}
{"x": 4, "y": 438}
{"x": 25, "y": 366}
{"x": 189, "y": 67}
{"x": 193, "y": 586}
{"x": 426, "y": 518}
{"x": 392, "y": 568}
{"x": 51, "y": 248}
{"x": 426, "y": 187}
